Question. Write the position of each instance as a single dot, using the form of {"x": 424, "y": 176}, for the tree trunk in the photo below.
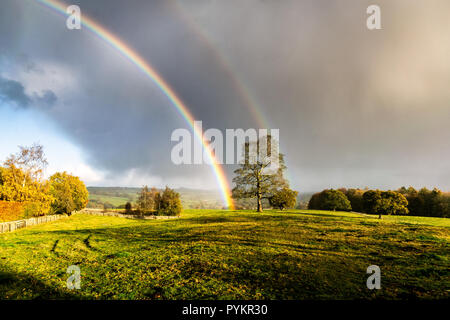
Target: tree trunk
{"x": 260, "y": 209}
{"x": 258, "y": 193}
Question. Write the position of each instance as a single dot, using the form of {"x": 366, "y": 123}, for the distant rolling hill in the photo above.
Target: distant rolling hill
{"x": 113, "y": 197}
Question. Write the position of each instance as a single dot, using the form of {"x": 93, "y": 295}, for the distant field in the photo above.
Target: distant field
{"x": 115, "y": 201}
{"x": 116, "y": 196}
{"x": 214, "y": 254}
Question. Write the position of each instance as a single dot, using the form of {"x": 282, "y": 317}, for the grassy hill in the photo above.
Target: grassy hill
{"x": 214, "y": 254}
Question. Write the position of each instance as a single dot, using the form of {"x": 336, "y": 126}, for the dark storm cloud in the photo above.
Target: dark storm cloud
{"x": 354, "y": 107}
{"x": 185, "y": 60}
{"x": 118, "y": 115}
{"x": 13, "y": 91}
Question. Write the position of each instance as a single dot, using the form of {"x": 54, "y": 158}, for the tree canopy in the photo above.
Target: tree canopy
{"x": 69, "y": 192}
{"x": 146, "y": 199}
{"x": 385, "y": 202}
{"x": 253, "y": 178}
{"x": 284, "y": 198}
{"x": 168, "y": 203}
{"x": 20, "y": 181}
{"x": 330, "y": 199}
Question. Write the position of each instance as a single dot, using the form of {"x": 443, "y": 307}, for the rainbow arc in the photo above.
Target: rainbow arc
{"x": 145, "y": 67}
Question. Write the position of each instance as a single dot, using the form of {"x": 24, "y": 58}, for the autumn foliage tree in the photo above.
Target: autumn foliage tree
{"x": 21, "y": 181}
{"x": 69, "y": 193}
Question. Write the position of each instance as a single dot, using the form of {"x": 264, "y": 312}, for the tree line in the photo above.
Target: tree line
{"x": 255, "y": 187}
{"x": 424, "y": 202}
{"x": 152, "y": 201}
{"x": 24, "y": 193}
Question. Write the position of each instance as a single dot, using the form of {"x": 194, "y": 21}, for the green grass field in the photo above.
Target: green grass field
{"x": 115, "y": 201}
{"x": 213, "y": 254}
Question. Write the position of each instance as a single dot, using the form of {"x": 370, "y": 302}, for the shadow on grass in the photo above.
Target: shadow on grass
{"x": 148, "y": 237}
{"x": 191, "y": 229}
{"x": 18, "y": 286}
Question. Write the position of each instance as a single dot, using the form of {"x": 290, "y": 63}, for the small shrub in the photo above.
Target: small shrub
{"x": 128, "y": 208}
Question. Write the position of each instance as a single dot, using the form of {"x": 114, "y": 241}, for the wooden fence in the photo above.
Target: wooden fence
{"x": 18, "y": 224}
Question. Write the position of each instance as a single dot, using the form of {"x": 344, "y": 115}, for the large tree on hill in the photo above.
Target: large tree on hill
{"x": 254, "y": 178}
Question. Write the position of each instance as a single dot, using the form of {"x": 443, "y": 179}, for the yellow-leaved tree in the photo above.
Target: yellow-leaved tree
{"x": 19, "y": 185}
{"x": 69, "y": 193}
{"x": 22, "y": 187}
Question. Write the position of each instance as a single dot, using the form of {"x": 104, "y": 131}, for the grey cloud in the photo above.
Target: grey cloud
{"x": 118, "y": 115}
{"x": 352, "y": 104}
{"x": 48, "y": 98}
{"x": 13, "y": 91}
{"x": 354, "y": 107}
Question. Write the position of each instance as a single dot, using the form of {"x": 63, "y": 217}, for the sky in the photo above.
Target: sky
{"x": 355, "y": 107}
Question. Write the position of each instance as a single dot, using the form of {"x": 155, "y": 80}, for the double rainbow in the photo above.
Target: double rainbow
{"x": 131, "y": 55}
